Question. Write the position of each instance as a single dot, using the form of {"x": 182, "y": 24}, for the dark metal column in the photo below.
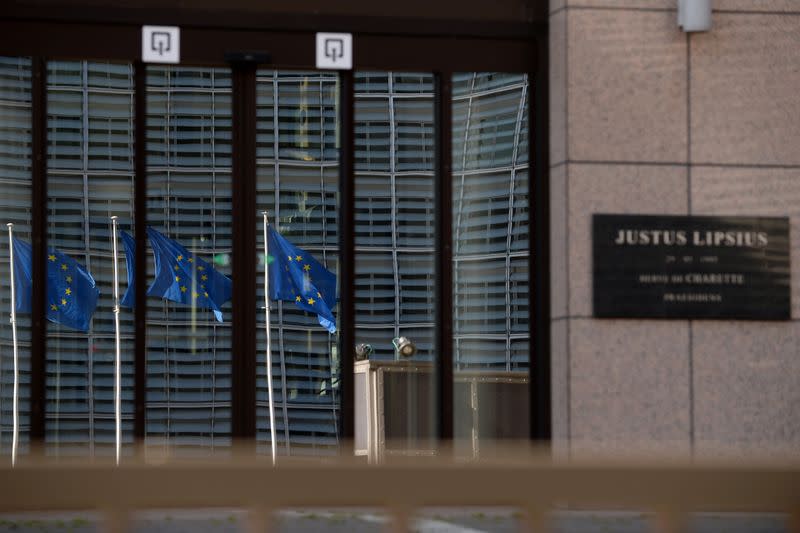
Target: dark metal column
{"x": 539, "y": 235}
{"x": 346, "y": 318}
{"x": 243, "y": 364}
{"x": 39, "y": 249}
{"x": 140, "y": 235}
{"x": 443, "y": 187}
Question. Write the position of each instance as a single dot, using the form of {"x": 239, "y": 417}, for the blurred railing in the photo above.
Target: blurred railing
{"x": 530, "y": 482}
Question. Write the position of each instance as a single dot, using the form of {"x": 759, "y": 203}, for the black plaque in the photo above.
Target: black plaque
{"x": 653, "y": 266}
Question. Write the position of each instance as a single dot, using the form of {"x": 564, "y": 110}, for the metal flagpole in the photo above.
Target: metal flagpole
{"x": 15, "y": 430}
{"x": 117, "y": 362}
{"x": 269, "y": 341}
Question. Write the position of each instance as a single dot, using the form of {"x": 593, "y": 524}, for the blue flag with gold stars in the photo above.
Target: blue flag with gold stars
{"x": 181, "y": 277}
{"x": 71, "y": 291}
{"x": 129, "y": 298}
{"x": 295, "y": 276}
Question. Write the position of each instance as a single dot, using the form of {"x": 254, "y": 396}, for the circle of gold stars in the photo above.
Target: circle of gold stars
{"x": 203, "y": 278}
{"x": 67, "y": 292}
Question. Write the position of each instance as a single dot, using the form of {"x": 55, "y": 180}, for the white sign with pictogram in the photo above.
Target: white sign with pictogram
{"x": 161, "y": 44}
{"x": 335, "y": 51}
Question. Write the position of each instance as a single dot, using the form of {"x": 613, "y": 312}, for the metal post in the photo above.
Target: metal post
{"x": 117, "y": 361}
{"x": 140, "y": 236}
{"x": 443, "y": 201}
{"x": 245, "y": 251}
{"x": 15, "y": 431}
{"x": 347, "y": 272}
{"x": 38, "y": 218}
{"x": 539, "y": 385}
{"x": 269, "y": 340}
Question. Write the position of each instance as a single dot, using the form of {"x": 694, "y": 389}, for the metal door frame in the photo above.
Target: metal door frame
{"x": 423, "y": 44}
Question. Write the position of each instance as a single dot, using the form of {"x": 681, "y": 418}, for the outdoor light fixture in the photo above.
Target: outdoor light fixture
{"x": 404, "y": 346}
{"x": 363, "y": 351}
{"x": 694, "y": 15}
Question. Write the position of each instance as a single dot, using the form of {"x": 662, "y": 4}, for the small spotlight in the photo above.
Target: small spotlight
{"x": 404, "y": 346}
{"x": 363, "y": 350}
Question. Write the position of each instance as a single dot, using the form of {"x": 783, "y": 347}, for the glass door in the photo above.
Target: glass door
{"x": 190, "y": 269}
{"x": 373, "y": 227}
{"x": 396, "y": 410}
{"x": 297, "y": 184}
{"x": 491, "y": 249}
{"x": 189, "y": 229}
{"x": 90, "y": 177}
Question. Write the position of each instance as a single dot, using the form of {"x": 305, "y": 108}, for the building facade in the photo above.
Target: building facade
{"x": 90, "y": 178}
{"x": 479, "y": 144}
{"x": 647, "y": 119}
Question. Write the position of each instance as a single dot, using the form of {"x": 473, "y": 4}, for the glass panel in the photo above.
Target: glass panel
{"x": 188, "y": 405}
{"x": 490, "y": 259}
{"x": 297, "y": 120}
{"x": 394, "y": 158}
{"x": 15, "y": 204}
{"x": 90, "y": 179}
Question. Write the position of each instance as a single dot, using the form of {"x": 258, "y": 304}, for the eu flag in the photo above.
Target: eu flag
{"x": 181, "y": 277}
{"x": 71, "y": 291}
{"x": 129, "y": 298}
{"x": 295, "y": 276}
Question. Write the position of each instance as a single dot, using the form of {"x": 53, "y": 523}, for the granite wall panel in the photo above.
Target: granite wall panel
{"x": 745, "y": 102}
{"x": 559, "y": 376}
{"x": 596, "y": 188}
{"x": 629, "y": 383}
{"x": 753, "y": 192}
{"x": 558, "y": 242}
{"x": 558, "y": 85}
{"x": 626, "y": 88}
{"x": 746, "y": 387}
{"x": 635, "y": 91}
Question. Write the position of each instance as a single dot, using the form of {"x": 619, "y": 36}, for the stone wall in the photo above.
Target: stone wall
{"x": 648, "y": 119}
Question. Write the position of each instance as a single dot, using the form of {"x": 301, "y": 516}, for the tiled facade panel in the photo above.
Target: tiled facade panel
{"x": 647, "y": 119}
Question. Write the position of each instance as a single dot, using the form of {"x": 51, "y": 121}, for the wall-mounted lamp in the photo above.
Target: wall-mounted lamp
{"x": 404, "y": 346}
{"x": 363, "y": 351}
{"x": 694, "y": 15}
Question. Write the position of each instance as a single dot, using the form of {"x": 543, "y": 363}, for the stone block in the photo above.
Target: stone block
{"x": 629, "y": 386}
{"x": 745, "y": 102}
{"x": 627, "y": 86}
{"x": 558, "y": 88}
{"x": 753, "y": 192}
{"x": 620, "y": 189}
{"x": 559, "y": 382}
{"x": 558, "y": 242}
{"x": 746, "y": 388}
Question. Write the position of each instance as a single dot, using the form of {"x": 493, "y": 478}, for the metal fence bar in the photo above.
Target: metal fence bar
{"x": 794, "y": 520}
{"x": 258, "y": 520}
{"x": 671, "y": 490}
{"x": 39, "y": 200}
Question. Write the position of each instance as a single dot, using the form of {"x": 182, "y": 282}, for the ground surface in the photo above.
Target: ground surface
{"x": 368, "y": 521}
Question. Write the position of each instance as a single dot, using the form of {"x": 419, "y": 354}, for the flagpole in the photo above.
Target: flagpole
{"x": 15, "y": 401}
{"x": 117, "y": 362}
{"x": 269, "y": 341}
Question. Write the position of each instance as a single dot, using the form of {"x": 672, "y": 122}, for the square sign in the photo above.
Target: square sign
{"x": 161, "y": 44}
{"x": 335, "y": 51}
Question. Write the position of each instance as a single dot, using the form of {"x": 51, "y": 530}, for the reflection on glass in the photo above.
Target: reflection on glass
{"x": 297, "y": 182}
{"x": 90, "y": 179}
{"x": 490, "y": 270}
{"x": 15, "y": 205}
{"x": 395, "y": 248}
{"x": 188, "y": 404}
